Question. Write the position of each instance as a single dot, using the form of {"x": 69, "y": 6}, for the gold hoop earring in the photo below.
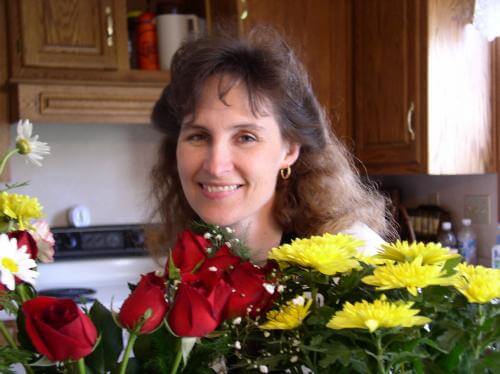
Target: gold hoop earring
{"x": 286, "y": 173}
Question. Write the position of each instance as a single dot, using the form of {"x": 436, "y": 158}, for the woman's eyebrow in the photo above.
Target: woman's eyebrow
{"x": 240, "y": 126}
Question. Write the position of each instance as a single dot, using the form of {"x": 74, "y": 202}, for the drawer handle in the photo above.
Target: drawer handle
{"x": 409, "y": 118}
{"x": 109, "y": 26}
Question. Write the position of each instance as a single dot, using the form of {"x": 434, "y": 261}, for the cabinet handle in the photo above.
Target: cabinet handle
{"x": 109, "y": 26}
{"x": 409, "y": 118}
{"x": 244, "y": 10}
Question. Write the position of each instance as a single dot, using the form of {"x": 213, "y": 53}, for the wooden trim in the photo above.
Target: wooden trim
{"x": 57, "y": 103}
{"x": 4, "y": 91}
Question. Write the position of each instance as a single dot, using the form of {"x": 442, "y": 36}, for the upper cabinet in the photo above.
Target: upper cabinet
{"x": 69, "y": 63}
{"x": 318, "y": 31}
{"x": 69, "y": 34}
{"x": 422, "y": 88}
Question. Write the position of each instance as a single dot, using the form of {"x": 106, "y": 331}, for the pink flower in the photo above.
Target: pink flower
{"x": 44, "y": 240}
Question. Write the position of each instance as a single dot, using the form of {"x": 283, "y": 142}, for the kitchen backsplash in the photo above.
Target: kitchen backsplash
{"x": 104, "y": 167}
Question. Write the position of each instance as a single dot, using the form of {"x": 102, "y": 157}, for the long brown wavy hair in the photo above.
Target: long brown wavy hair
{"x": 324, "y": 192}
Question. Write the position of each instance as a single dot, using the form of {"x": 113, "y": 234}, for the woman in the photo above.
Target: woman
{"x": 247, "y": 145}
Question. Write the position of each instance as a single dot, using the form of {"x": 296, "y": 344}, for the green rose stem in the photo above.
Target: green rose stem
{"x": 6, "y": 157}
{"x": 12, "y": 343}
{"x": 81, "y": 366}
{"x": 178, "y": 359}
{"x": 131, "y": 341}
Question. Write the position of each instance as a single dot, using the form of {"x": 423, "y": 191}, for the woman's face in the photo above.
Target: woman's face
{"x": 229, "y": 160}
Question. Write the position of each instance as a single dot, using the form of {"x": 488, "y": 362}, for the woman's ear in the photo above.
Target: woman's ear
{"x": 292, "y": 154}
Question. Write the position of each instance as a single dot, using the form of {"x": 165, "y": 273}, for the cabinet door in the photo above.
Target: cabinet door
{"x": 318, "y": 31}
{"x": 389, "y": 85}
{"x": 68, "y": 33}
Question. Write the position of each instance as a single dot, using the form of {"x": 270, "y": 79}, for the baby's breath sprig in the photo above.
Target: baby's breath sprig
{"x": 219, "y": 236}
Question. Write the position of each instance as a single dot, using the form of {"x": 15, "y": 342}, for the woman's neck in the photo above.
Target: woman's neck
{"x": 259, "y": 237}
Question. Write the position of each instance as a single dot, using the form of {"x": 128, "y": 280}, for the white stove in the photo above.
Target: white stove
{"x": 108, "y": 277}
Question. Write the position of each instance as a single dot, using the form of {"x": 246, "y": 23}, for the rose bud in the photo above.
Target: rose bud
{"x": 252, "y": 291}
{"x": 189, "y": 251}
{"x": 58, "y": 328}
{"x": 25, "y": 238}
{"x": 149, "y": 294}
{"x": 198, "y": 308}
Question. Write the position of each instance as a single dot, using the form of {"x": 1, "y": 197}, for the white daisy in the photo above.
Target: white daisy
{"x": 29, "y": 145}
{"x": 15, "y": 262}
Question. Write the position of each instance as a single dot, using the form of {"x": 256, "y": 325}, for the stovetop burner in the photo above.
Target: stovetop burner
{"x": 78, "y": 295}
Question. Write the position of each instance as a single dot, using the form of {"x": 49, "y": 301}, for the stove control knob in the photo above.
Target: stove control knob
{"x": 67, "y": 242}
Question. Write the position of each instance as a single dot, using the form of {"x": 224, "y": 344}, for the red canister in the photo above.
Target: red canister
{"x": 147, "y": 42}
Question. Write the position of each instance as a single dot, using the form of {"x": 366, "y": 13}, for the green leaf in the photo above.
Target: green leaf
{"x": 335, "y": 352}
{"x": 105, "y": 355}
{"x": 491, "y": 361}
{"x": 156, "y": 352}
{"x": 449, "y": 339}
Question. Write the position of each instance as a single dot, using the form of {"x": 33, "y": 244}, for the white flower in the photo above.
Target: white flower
{"x": 294, "y": 359}
{"x": 237, "y": 321}
{"x": 237, "y": 344}
{"x": 263, "y": 369}
{"x": 218, "y": 237}
{"x": 29, "y": 145}
{"x": 212, "y": 268}
{"x": 207, "y": 235}
{"x": 15, "y": 262}
{"x": 269, "y": 287}
{"x": 299, "y": 300}
{"x": 45, "y": 241}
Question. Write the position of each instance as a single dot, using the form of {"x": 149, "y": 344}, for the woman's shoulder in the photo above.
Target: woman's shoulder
{"x": 372, "y": 240}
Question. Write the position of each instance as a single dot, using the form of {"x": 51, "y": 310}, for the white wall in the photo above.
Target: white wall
{"x": 104, "y": 167}
{"x": 416, "y": 190}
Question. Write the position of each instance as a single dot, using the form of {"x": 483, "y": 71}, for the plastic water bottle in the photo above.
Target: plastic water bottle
{"x": 467, "y": 245}
{"x": 495, "y": 252}
{"x": 446, "y": 236}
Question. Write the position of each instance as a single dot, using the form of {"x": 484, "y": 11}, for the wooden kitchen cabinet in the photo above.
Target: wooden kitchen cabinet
{"x": 70, "y": 34}
{"x": 422, "y": 88}
{"x": 318, "y": 31}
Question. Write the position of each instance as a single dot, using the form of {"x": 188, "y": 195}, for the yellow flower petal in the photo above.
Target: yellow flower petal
{"x": 477, "y": 283}
{"x": 328, "y": 254}
{"x": 380, "y": 313}
{"x": 20, "y": 208}
{"x": 289, "y": 316}
{"x": 431, "y": 253}
{"x": 411, "y": 276}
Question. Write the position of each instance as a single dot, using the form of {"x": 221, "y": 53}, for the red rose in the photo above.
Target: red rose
{"x": 58, "y": 328}
{"x": 198, "y": 307}
{"x": 252, "y": 290}
{"x": 190, "y": 250}
{"x": 149, "y": 294}
{"x": 25, "y": 238}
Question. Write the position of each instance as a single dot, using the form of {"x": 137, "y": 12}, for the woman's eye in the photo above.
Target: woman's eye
{"x": 247, "y": 138}
{"x": 196, "y": 137}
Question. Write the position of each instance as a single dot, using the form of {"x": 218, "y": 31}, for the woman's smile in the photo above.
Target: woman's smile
{"x": 219, "y": 191}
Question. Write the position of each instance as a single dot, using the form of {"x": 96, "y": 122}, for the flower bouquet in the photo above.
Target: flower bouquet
{"x": 318, "y": 305}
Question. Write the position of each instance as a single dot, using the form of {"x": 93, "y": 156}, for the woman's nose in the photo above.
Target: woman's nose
{"x": 219, "y": 160}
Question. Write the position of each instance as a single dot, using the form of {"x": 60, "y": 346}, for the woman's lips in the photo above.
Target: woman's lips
{"x": 218, "y": 191}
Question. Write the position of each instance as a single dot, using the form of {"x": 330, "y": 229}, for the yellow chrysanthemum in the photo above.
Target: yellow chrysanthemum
{"x": 328, "y": 254}
{"x": 409, "y": 275}
{"x": 380, "y": 313}
{"x": 21, "y": 208}
{"x": 431, "y": 253}
{"x": 477, "y": 283}
{"x": 289, "y": 316}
